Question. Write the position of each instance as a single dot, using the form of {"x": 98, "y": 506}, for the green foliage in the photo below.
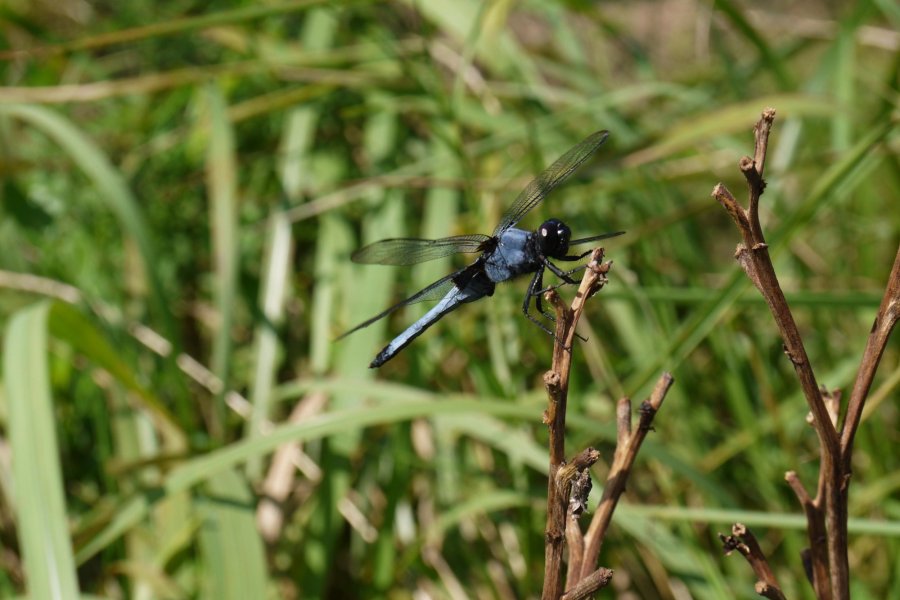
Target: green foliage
{"x": 187, "y": 184}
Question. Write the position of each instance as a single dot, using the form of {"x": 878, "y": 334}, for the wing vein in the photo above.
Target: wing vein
{"x": 410, "y": 251}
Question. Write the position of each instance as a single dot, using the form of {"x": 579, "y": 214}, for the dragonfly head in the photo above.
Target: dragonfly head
{"x": 553, "y": 238}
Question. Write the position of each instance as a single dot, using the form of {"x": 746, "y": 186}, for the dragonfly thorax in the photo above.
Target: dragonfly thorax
{"x": 553, "y": 238}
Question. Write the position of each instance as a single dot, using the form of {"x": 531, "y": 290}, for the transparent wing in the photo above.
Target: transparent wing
{"x": 410, "y": 251}
{"x": 436, "y": 290}
{"x": 551, "y": 177}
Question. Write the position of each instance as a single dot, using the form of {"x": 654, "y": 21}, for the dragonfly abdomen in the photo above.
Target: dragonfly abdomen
{"x": 477, "y": 287}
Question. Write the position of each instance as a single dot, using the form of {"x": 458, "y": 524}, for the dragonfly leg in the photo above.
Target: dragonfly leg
{"x": 564, "y": 275}
{"x": 575, "y": 270}
{"x": 526, "y": 304}
{"x": 549, "y": 315}
{"x": 534, "y": 291}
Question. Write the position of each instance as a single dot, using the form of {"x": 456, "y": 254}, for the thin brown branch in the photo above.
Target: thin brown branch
{"x": 619, "y": 471}
{"x": 753, "y": 256}
{"x": 737, "y": 212}
{"x": 754, "y": 174}
{"x": 756, "y": 184}
{"x": 578, "y": 498}
{"x": 575, "y": 544}
{"x": 557, "y": 383}
{"x": 888, "y": 314}
{"x": 816, "y": 557}
{"x": 569, "y": 484}
{"x": 761, "y": 139}
{"x": 754, "y": 259}
{"x": 743, "y": 540}
{"x": 623, "y": 424}
{"x": 596, "y": 580}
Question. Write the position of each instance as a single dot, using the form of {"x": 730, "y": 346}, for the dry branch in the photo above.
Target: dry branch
{"x": 586, "y": 587}
{"x": 826, "y": 514}
{"x": 743, "y": 540}
{"x": 826, "y": 510}
{"x": 569, "y": 484}
{"x": 628, "y": 442}
{"x": 556, "y": 380}
{"x": 888, "y": 314}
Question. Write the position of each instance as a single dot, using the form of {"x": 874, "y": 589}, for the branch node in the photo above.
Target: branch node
{"x": 749, "y": 168}
{"x": 794, "y": 359}
{"x": 552, "y": 382}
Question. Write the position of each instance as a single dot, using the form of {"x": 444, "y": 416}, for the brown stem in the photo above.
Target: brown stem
{"x": 623, "y": 426}
{"x": 596, "y": 580}
{"x": 885, "y": 319}
{"x": 816, "y": 556}
{"x": 761, "y": 145}
{"x": 557, "y": 383}
{"x": 575, "y": 543}
{"x": 578, "y": 499}
{"x": 743, "y": 540}
{"x": 753, "y": 256}
{"x": 627, "y": 447}
{"x": 888, "y": 314}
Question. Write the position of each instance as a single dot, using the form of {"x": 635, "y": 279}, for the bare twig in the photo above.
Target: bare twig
{"x": 578, "y": 499}
{"x": 569, "y": 484}
{"x": 581, "y": 488}
{"x": 597, "y": 580}
{"x": 623, "y": 424}
{"x": 743, "y": 540}
{"x": 816, "y": 556}
{"x": 557, "y": 383}
{"x": 888, "y": 314}
{"x": 627, "y": 446}
{"x": 753, "y": 256}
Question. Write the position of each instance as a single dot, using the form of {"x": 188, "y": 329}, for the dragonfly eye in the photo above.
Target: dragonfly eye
{"x": 553, "y": 237}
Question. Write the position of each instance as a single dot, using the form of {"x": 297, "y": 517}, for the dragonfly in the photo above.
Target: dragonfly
{"x": 506, "y": 254}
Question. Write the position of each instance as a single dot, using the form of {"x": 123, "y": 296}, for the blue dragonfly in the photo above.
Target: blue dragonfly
{"x": 505, "y": 255}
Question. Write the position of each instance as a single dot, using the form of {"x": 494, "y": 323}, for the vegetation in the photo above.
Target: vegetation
{"x": 183, "y": 184}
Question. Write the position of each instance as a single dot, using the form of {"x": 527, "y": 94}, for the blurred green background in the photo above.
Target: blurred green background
{"x": 183, "y": 184}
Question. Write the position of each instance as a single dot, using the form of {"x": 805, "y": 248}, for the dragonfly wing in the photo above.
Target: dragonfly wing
{"x": 411, "y": 251}
{"x": 551, "y": 177}
{"x": 436, "y": 290}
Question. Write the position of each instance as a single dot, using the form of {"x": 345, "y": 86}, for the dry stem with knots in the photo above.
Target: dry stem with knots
{"x": 569, "y": 483}
{"x": 826, "y": 513}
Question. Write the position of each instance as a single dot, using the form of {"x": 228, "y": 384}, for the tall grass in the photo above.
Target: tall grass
{"x": 182, "y": 188}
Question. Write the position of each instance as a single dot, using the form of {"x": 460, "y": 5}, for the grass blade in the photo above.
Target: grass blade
{"x": 39, "y": 494}
{"x": 233, "y": 550}
{"x": 221, "y": 169}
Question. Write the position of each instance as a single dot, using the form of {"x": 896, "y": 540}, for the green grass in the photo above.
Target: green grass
{"x": 182, "y": 188}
